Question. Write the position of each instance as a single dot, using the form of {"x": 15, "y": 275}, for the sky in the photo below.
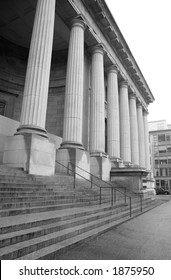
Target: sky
{"x": 146, "y": 27}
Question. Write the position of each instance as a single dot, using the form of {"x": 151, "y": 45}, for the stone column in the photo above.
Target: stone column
{"x": 72, "y": 128}
{"x": 33, "y": 115}
{"x": 134, "y": 129}
{"x": 125, "y": 145}
{"x": 146, "y": 136}
{"x": 141, "y": 136}
{"x": 97, "y": 119}
{"x": 113, "y": 137}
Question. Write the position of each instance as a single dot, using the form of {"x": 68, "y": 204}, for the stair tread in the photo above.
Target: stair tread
{"x": 38, "y": 254}
{"x": 50, "y": 236}
{"x": 63, "y": 233}
{"x": 98, "y": 215}
{"x": 33, "y": 217}
{"x": 68, "y": 242}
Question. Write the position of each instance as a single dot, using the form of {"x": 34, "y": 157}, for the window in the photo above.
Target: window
{"x": 156, "y": 172}
{"x": 169, "y": 160}
{"x": 169, "y": 169}
{"x": 163, "y": 151}
{"x": 162, "y": 183}
{"x": 2, "y": 108}
{"x": 168, "y": 137}
{"x": 163, "y": 161}
{"x": 157, "y": 183}
{"x": 161, "y": 138}
{"x": 163, "y": 172}
{"x": 156, "y": 162}
{"x": 169, "y": 149}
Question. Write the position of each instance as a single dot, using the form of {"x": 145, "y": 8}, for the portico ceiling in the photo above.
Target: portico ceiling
{"x": 16, "y": 24}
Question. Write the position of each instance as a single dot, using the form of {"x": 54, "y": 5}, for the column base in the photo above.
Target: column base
{"x": 98, "y": 154}
{"x": 78, "y": 157}
{"x": 31, "y": 152}
{"x": 29, "y": 129}
{"x": 116, "y": 162}
{"x": 68, "y": 145}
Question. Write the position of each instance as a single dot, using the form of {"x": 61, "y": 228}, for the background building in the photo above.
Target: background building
{"x": 160, "y": 142}
{"x": 71, "y": 91}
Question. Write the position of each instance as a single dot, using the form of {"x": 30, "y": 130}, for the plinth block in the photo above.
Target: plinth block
{"x": 76, "y": 157}
{"x": 100, "y": 167}
{"x": 33, "y": 153}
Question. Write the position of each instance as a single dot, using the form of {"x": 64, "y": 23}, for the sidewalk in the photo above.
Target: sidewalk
{"x": 146, "y": 237}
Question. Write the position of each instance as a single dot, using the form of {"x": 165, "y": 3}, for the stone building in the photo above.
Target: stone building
{"x": 160, "y": 146}
{"x": 71, "y": 91}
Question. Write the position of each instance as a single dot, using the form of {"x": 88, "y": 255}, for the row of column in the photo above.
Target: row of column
{"x": 127, "y": 125}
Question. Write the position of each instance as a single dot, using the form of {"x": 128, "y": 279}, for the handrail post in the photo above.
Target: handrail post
{"x": 125, "y": 195}
{"x": 130, "y": 206}
{"x": 141, "y": 202}
{"x": 115, "y": 195}
{"x": 68, "y": 168}
{"x": 100, "y": 196}
{"x": 74, "y": 180}
{"x": 91, "y": 181}
{"x": 111, "y": 196}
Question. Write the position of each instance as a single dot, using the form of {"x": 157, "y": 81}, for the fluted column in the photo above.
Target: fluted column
{"x": 113, "y": 137}
{"x": 146, "y": 138}
{"x": 141, "y": 136}
{"x": 97, "y": 120}
{"x": 134, "y": 129}
{"x": 33, "y": 114}
{"x": 125, "y": 145}
{"x": 72, "y": 128}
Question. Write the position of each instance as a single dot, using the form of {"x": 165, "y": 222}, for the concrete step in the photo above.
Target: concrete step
{"x": 56, "y": 249}
{"x": 26, "y": 210}
{"x": 23, "y": 249}
{"x": 49, "y": 201}
{"x": 20, "y": 222}
{"x": 27, "y": 234}
{"x": 40, "y": 216}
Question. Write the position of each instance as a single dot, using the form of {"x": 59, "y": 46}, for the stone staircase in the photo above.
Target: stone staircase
{"x": 40, "y": 216}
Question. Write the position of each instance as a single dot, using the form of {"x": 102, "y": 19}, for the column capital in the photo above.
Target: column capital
{"x": 139, "y": 105}
{"x": 97, "y": 49}
{"x": 145, "y": 112}
{"x": 132, "y": 95}
{"x": 112, "y": 69}
{"x": 78, "y": 22}
{"x": 124, "y": 84}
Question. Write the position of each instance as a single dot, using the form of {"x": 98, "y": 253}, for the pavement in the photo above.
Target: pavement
{"x": 146, "y": 237}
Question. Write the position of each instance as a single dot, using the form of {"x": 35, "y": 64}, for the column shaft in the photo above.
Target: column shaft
{"x": 33, "y": 115}
{"x": 146, "y": 136}
{"x": 72, "y": 128}
{"x": 141, "y": 136}
{"x": 97, "y": 121}
{"x": 113, "y": 137}
{"x": 125, "y": 145}
{"x": 134, "y": 130}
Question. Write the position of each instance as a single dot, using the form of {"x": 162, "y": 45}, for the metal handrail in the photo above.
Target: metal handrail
{"x": 104, "y": 182}
{"x": 113, "y": 189}
{"x": 100, "y": 187}
{"x": 110, "y": 185}
{"x": 75, "y": 173}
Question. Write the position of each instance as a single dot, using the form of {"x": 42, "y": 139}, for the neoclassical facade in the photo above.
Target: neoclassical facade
{"x": 70, "y": 90}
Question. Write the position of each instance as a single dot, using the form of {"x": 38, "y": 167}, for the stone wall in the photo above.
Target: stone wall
{"x": 13, "y": 64}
